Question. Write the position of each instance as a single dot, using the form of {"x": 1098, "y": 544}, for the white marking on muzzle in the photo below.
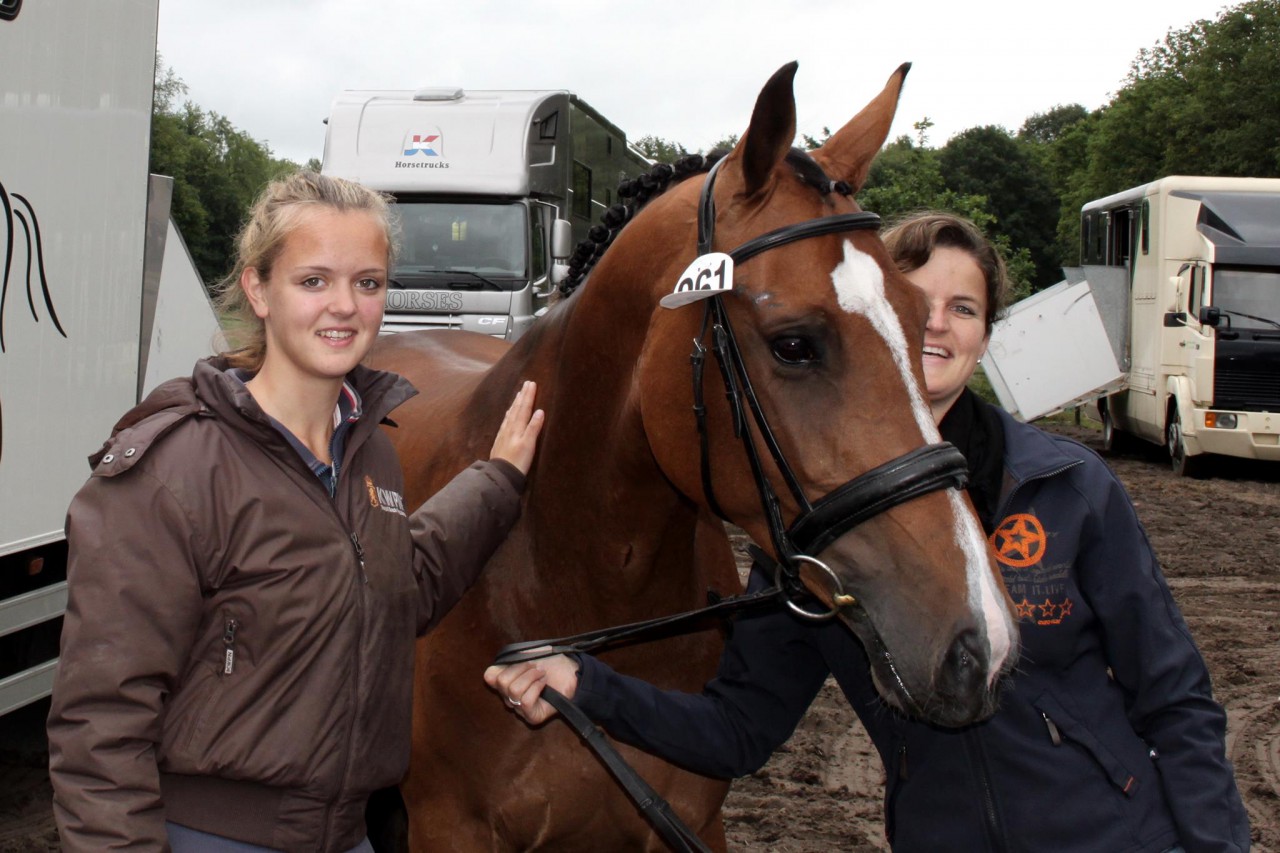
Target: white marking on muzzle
{"x": 859, "y": 286}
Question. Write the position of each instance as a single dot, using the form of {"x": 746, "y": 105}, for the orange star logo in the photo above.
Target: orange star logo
{"x": 1024, "y": 609}
{"x": 1019, "y": 541}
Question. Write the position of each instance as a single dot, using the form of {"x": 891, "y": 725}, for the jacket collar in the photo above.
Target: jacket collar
{"x": 209, "y": 390}
{"x": 1031, "y": 453}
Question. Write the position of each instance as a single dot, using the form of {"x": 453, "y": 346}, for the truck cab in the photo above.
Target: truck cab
{"x": 493, "y": 187}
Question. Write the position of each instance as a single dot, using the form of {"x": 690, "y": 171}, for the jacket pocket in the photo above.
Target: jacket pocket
{"x": 206, "y": 695}
{"x": 1060, "y": 725}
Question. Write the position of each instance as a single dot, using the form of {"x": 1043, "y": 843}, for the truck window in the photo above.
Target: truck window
{"x": 444, "y": 236}
{"x": 537, "y": 248}
{"x": 1196, "y": 291}
{"x": 581, "y": 190}
{"x": 1251, "y": 294}
{"x": 1146, "y": 226}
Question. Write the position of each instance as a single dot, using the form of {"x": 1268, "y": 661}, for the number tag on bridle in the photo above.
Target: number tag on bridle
{"x": 708, "y": 275}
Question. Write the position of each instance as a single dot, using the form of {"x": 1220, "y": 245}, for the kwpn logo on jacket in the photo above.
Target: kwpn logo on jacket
{"x": 384, "y": 499}
{"x": 1019, "y": 540}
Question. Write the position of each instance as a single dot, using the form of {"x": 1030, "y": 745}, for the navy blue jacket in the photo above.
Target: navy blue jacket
{"x": 1107, "y": 737}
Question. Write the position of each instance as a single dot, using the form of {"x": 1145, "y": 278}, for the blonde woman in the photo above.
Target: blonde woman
{"x": 245, "y": 582}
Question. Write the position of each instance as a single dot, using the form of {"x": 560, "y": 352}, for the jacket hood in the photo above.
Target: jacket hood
{"x": 210, "y": 392}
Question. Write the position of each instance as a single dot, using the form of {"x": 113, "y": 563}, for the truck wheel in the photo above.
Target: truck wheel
{"x": 1183, "y": 465}
{"x": 1115, "y": 441}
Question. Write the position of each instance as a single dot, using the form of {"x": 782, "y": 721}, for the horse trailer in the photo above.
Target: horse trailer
{"x": 493, "y": 188}
{"x": 1182, "y": 275}
{"x": 99, "y": 301}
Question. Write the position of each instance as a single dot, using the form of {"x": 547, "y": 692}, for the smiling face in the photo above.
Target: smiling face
{"x": 955, "y": 335}
{"x": 323, "y": 301}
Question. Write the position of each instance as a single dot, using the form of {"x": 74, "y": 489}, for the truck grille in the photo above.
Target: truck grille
{"x": 1246, "y": 390}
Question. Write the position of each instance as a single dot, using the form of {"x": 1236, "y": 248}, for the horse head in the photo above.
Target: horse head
{"x": 828, "y": 338}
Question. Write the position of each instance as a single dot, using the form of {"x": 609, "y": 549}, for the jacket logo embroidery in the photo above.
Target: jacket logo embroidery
{"x": 1019, "y": 541}
{"x": 1047, "y": 612}
{"x": 384, "y": 499}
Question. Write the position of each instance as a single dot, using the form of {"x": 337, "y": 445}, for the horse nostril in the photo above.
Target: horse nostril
{"x": 963, "y": 668}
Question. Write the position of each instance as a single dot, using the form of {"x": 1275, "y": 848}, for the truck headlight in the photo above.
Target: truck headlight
{"x": 1220, "y": 420}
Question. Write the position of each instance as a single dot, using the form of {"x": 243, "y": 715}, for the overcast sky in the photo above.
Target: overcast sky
{"x": 685, "y": 71}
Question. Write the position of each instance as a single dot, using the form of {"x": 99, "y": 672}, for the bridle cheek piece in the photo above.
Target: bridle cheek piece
{"x": 819, "y": 523}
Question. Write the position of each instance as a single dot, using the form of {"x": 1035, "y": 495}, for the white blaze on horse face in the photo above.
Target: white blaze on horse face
{"x": 859, "y": 286}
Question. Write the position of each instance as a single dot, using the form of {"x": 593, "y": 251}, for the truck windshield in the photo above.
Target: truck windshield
{"x": 488, "y": 240}
{"x": 1251, "y": 295}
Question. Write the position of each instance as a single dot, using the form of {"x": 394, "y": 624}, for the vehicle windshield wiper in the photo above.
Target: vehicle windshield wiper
{"x": 438, "y": 273}
{"x": 1249, "y": 316}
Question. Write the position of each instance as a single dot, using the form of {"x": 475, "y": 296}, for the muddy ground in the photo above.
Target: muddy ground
{"x": 1219, "y": 541}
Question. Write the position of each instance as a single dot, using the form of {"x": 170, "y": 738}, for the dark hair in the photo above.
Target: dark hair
{"x": 274, "y": 216}
{"x": 911, "y": 243}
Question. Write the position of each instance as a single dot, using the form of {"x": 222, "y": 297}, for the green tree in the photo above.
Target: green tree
{"x": 1059, "y": 138}
{"x": 659, "y": 149}
{"x": 1050, "y": 126}
{"x": 989, "y": 161}
{"x": 907, "y": 178}
{"x": 217, "y": 171}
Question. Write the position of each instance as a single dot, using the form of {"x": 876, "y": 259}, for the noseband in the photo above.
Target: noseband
{"x": 819, "y": 523}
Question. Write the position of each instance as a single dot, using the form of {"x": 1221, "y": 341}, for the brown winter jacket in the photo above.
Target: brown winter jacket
{"x": 237, "y": 655}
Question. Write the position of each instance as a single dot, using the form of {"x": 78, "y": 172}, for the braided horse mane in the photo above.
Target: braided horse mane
{"x": 637, "y": 192}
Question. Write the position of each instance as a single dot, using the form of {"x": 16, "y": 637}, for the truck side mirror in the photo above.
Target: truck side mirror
{"x": 561, "y": 238}
{"x": 1210, "y": 315}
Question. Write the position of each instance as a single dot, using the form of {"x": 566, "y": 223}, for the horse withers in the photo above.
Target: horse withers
{"x": 618, "y": 520}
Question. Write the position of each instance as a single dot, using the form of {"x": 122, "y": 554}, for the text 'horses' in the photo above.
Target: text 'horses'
{"x": 618, "y": 522}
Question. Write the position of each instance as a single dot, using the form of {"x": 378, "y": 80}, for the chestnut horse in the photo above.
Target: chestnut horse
{"x": 617, "y": 525}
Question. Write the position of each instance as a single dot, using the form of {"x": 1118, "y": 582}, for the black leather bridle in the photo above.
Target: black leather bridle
{"x": 819, "y": 523}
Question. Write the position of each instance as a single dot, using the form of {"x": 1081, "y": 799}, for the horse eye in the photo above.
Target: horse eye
{"x": 794, "y": 350}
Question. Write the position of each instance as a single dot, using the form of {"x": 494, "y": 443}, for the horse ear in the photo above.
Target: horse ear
{"x": 848, "y": 153}
{"x": 772, "y": 130}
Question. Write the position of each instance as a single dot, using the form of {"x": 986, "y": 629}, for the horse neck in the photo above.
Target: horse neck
{"x": 595, "y": 472}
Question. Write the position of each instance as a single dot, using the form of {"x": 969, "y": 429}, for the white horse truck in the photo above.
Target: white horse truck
{"x": 99, "y": 301}
{"x": 493, "y": 188}
{"x": 1172, "y": 323}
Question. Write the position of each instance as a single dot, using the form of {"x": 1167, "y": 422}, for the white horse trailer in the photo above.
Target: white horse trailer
{"x": 99, "y": 301}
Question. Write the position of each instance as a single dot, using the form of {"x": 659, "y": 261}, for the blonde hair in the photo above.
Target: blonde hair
{"x": 911, "y": 242}
{"x": 272, "y": 219}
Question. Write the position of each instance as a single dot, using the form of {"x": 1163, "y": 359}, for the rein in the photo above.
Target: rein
{"x": 818, "y": 524}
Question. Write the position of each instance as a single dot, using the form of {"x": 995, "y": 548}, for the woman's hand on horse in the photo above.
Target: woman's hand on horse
{"x": 518, "y": 436}
{"x": 520, "y": 685}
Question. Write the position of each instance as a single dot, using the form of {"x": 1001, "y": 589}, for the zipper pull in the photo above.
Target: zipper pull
{"x": 1054, "y": 734}
{"x": 355, "y": 540}
{"x": 902, "y": 762}
{"x": 229, "y": 642}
